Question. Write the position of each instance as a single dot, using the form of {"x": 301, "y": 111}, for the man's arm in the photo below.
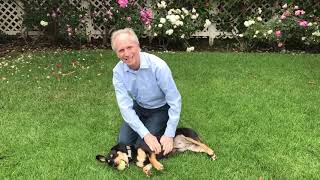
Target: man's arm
{"x": 173, "y": 98}
{"x": 125, "y": 104}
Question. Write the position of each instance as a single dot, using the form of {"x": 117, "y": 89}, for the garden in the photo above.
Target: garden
{"x": 253, "y": 95}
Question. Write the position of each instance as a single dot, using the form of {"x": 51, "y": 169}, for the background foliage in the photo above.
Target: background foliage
{"x": 228, "y": 16}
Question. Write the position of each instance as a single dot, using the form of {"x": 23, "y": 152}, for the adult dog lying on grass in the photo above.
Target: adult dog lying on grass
{"x": 185, "y": 139}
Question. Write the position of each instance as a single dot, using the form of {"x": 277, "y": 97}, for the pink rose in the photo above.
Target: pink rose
{"x": 286, "y": 13}
{"x": 122, "y": 3}
{"x": 299, "y": 12}
{"x": 303, "y": 23}
{"x": 146, "y": 16}
{"x": 278, "y": 33}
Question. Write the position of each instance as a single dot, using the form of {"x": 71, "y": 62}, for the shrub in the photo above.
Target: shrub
{"x": 289, "y": 25}
{"x": 172, "y": 23}
{"x": 57, "y": 19}
{"x": 119, "y": 14}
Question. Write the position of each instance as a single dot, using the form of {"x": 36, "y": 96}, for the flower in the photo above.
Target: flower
{"x": 43, "y": 23}
{"x": 190, "y": 49}
{"x": 316, "y": 33}
{"x": 249, "y": 23}
{"x": 146, "y": 15}
{"x": 285, "y": 6}
{"x": 185, "y": 11}
{"x": 122, "y": 3}
{"x": 195, "y": 16}
{"x": 303, "y": 23}
{"x": 162, "y": 20}
{"x": 299, "y": 12}
{"x": 162, "y": 5}
{"x": 278, "y": 33}
{"x": 207, "y": 23}
{"x": 259, "y": 18}
{"x": 169, "y": 32}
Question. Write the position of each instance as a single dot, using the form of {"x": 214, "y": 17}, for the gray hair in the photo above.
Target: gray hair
{"x": 128, "y": 31}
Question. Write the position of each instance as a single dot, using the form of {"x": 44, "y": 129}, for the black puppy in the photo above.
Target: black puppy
{"x": 185, "y": 139}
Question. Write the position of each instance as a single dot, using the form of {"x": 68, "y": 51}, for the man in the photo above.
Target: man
{"x": 147, "y": 96}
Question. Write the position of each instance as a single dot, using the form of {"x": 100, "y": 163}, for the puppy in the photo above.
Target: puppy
{"x": 185, "y": 139}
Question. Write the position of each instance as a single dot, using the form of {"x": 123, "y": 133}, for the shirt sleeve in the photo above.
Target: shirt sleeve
{"x": 125, "y": 104}
{"x": 172, "y": 96}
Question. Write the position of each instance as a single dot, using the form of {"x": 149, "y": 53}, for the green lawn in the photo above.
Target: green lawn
{"x": 259, "y": 112}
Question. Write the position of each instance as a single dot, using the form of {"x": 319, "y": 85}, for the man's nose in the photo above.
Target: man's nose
{"x": 126, "y": 52}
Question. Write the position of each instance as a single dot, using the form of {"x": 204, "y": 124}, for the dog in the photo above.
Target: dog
{"x": 185, "y": 139}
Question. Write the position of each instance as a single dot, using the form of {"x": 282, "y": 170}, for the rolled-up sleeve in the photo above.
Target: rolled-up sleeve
{"x": 125, "y": 104}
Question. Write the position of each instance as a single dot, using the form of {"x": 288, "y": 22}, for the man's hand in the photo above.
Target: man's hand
{"x": 152, "y": 142}
{"x": 167, "y": 144}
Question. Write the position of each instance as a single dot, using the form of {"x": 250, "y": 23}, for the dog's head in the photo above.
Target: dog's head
{"x": 117, "y": 154}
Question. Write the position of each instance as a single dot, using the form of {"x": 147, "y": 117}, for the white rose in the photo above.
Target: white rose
{"x": 160, "y": 25}
{"x": 185, "y": 11}
{"x": 285, "y": 6}
{"x": 207, "y": 23}
{"x": 162, "y": 20}
{"x": 169, "y": 32}
{"x": 43, "y": 23}
{"x": 190, "y": 49}
{"x": 270, "y": 31}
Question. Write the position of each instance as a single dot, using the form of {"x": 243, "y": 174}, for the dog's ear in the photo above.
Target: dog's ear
{"x": 101, "y": 158}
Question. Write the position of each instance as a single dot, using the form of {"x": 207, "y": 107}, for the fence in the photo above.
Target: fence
{"x": 11, "y": 13}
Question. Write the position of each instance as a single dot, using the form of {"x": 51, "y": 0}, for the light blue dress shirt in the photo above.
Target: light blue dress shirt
{"x": 151, "y": 86}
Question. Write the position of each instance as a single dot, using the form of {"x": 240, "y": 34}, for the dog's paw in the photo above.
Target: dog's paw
{"x": 139, "y": 164}
{"x": 213, "y": 157}
{"x": 159, "y": 167}
{"x": 147, "y": 170}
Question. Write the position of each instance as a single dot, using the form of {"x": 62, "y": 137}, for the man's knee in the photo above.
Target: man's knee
{"x": 127, "y": 135}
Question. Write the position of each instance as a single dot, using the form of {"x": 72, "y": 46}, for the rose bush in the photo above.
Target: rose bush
{"x": 172, "y": 23}
{"x": 289, "y": 25}
{"x": 58, "y": 20}
{"x": 119, "y": 14}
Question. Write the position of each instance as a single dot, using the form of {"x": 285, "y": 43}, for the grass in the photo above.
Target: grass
{"x": 259, "y": 112}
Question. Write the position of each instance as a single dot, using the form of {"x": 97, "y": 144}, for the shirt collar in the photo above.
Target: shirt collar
{"x": 143, "y": 64}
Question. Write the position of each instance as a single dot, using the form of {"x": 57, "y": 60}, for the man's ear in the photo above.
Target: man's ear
{"x": 101, "y": 158}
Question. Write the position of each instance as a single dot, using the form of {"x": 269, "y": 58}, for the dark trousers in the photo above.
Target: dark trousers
{"x": 155, "y": 120}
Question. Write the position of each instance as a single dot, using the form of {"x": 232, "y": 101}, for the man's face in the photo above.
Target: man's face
{"x": 127, "y": 50}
